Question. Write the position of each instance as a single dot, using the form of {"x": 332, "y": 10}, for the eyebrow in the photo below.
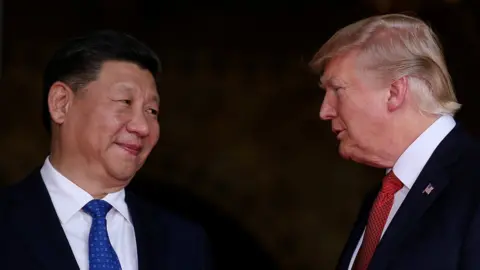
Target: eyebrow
{"x": 325, "y": 82}
{"x": 156, "y": 99}
{"x": 323, "y": 79}
{"x": 124, "y": 88}
{"x": 127, "y": 89}
{"x": 330, "y": 82}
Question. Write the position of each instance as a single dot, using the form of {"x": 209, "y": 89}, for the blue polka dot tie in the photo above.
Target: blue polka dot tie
{"x": 101, "y": 254}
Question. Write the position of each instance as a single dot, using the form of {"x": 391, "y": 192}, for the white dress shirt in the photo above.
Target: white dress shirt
{"x": 68, "y": 200}
{"x": 411, "y": 163}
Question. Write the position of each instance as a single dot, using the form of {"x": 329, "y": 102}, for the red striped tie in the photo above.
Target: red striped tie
{"x": 377, "y": 219}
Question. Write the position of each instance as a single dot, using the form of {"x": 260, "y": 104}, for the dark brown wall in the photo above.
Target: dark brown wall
{"x": 239, "y": 117}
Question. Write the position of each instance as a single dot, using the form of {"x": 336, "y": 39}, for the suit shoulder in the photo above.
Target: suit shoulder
{"x": 459, "y": 148}
{"x": 11, "y": 191}
{"x": 175, "y": 220}
{"x": 170, "y": 220}
{"x": 186, "y": 239}
{"x": 5, "y": 197}
{"x": 11, "y": 195}
{"x": 464, "y": 169}
{"x": 31, "y": 182}
{"x": 469, "y": 157}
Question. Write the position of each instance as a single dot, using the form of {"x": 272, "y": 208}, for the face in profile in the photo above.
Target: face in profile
{"x": 112, "y": 124}
{"x": 355, "y": 104}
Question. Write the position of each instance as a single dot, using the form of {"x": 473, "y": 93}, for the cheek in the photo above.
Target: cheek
{"x": 154, "y": 133}
{"x": 364, "y": 128}
{"x": 355, "y": 118}
{"x": 109, "y": 124}
{"x": 119, "y": 117}
{"x": 348, "y": 111}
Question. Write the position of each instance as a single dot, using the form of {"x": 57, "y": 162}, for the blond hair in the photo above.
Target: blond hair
{"x": 397, "y": 45}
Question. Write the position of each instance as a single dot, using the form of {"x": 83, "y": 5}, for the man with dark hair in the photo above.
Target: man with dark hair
{"x": 101, "y": 106}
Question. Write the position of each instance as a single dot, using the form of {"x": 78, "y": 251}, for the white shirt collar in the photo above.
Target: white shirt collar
{"x": 411, "y": 162}
{"x": 68, "y": 198}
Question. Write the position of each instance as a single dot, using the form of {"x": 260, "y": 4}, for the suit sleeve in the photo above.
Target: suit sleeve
{"x": 205, "y": 251}
{"x": 470, "y": 253}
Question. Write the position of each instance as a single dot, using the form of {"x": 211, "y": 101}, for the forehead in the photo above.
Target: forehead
{"x": 127, "y": 76}
{"x": 339, "y": 70}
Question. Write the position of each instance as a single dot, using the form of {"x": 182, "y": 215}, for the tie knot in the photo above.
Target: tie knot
{"x": 97, "y": 208}
{"x": 391, "y": 184}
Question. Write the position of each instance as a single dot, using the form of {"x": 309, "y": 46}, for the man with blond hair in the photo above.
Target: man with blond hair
{"x": 391, "y": 102}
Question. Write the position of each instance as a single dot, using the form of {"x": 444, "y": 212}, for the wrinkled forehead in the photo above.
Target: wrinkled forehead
{"x": 147, "y": 91}
{"x": 355, "y": 63}
{"x": 337, "y": 70}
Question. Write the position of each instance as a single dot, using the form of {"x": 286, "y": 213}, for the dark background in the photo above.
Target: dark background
{"x": 242, "y": 149}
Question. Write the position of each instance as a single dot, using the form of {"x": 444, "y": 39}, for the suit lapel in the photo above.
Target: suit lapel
{"x": 356, "y": 232}
{"x": 435, "y": 174}
{"x": 412, "y": 209}
{"x": 151, "y": 248}
{"x": 35, "y": 220}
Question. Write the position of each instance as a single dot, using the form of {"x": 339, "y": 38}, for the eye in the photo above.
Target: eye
{"x": 153, "y": 111}
{"x": 126, "y": 101}
{"x": 336, "y": 89}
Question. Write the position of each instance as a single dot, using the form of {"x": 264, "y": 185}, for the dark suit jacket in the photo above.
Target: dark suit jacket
{"x": 436, "y": 231}
{"x": 31, "y": 236}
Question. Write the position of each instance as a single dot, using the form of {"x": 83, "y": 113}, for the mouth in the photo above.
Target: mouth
{"x": 339, "y": 133}
{"x": 133, "y": 149}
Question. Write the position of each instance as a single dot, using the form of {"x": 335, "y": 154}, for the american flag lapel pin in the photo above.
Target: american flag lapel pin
{"x": 428, "y": 189}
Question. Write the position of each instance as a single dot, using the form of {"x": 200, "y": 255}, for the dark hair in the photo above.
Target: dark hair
{"x": 80, "y": 60}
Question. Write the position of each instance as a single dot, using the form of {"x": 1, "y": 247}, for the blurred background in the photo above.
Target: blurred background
{"x": 242, "y": 150}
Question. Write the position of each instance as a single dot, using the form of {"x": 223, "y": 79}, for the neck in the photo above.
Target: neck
{"x": 404, "y": 132}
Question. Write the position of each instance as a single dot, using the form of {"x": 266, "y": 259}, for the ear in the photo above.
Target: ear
{"x": 397, "y": 93}
{"x": 60, "y": 98}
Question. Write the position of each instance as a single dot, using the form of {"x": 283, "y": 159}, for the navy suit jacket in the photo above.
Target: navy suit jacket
{"x": 440, "y": 230}
{"x": 31, "y": 235}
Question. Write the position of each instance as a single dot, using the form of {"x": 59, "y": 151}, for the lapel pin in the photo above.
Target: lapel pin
{"x": 428, "y": 189}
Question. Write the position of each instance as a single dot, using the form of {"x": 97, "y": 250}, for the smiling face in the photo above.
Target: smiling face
{"x": 111, "y": 126}
{"x": 356, "y": 104}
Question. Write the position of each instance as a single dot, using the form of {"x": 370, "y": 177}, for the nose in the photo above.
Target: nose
{"x": 327, "y": 110}
{"x": 139, "y": 124}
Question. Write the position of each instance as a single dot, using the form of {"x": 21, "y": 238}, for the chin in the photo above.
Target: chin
{"x": 121, "y": 163}
{"x": 123, "y": 172}
{"x": 344, "y": 152}
{"x": 362, "y": 159}
{"x": 123, "y": 177}
{"x": 344, "y": 155}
